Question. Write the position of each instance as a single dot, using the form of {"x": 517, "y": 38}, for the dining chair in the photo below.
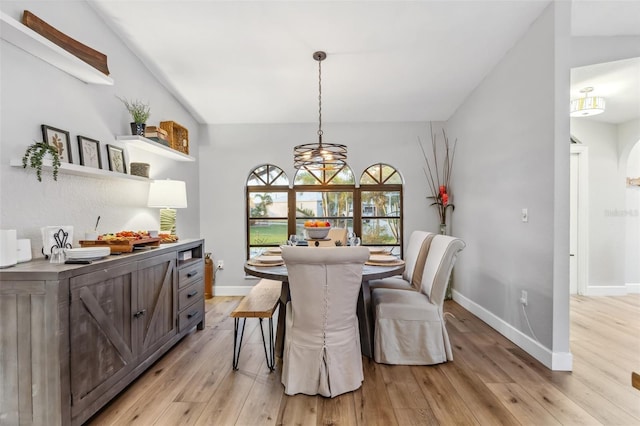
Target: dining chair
{"x": 322, "y": 342}
{"x": 335, "y": 234}
{"x": 415, "y": 257}
{"x": 409, "y": 325}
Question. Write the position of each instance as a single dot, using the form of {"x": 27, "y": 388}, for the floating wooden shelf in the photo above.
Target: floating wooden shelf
{"x": 31, "y": 42}
{"x": 77, "y": 170}
{"x": 139, "y": 142}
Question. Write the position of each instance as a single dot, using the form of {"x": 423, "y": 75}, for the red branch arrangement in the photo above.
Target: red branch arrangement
{"x": 438, "y": 178}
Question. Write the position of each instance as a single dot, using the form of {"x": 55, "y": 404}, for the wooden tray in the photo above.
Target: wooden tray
{"x": 120, "y": 246}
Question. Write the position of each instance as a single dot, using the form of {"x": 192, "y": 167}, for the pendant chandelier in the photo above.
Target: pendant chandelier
{"x": 319, "y": 156}
{"x": 588, "y": 105}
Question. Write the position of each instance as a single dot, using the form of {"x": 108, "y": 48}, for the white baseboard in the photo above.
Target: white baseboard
{"x": 232, "y": 290}
{"x": 633, "y": 288}
{"x": 555, "y": 361}
{"x": 606, "y": 290}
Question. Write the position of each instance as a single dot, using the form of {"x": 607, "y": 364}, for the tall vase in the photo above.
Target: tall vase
{"x": 448, "y": 294}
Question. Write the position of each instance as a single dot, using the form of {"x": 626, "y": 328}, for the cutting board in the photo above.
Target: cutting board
{"x": 122, "y": 246}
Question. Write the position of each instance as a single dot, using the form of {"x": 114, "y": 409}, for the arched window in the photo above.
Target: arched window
{"x": 267, "y": 200}
{"x": 275, "y": 210}
{"x": 381, "y": 207}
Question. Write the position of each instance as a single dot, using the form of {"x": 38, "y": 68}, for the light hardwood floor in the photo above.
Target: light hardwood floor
{"x": 491, "y": 381}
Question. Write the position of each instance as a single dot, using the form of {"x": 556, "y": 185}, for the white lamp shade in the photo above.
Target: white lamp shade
{"x": 167, "y": 193}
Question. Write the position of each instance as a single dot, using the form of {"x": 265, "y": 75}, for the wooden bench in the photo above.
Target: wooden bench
{"x": 261, "y": 302}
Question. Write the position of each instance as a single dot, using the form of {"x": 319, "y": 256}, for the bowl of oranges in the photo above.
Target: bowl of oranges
{"x": 317, "y": 229}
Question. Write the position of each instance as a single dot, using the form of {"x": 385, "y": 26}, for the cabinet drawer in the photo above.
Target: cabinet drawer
{"x": 190, "y": 316}
{"x": 190, "y": 294}
{"x": 190, "y": 273}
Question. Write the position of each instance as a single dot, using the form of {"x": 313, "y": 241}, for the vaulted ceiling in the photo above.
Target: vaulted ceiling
{"x": 251, "y": 61}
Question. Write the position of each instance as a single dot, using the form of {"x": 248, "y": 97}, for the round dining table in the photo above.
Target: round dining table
{"x": 369, "y": 272}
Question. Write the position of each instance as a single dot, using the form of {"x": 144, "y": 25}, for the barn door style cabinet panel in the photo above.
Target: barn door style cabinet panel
{"x": 80, "y": 334}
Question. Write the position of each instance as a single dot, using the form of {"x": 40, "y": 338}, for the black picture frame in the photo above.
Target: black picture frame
{"x": 116, "y": 159}
{"x": 58, "y": 139}
{"x": 89, "y": 150}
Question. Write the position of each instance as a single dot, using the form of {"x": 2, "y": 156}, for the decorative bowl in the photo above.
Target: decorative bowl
{"x": 317, "y": 233}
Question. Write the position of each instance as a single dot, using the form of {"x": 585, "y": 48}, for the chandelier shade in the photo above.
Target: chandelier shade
{"x": 588, "y": 105}
{"x": 319, "y": 156}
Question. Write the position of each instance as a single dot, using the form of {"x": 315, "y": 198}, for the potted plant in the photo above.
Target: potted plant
{"x": 35, "y": 154}
{"x": 140, "y": 112}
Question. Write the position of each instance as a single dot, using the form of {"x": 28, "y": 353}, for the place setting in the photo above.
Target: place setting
{"x": 384, "y": 260}
{"x": 266, "y": 260}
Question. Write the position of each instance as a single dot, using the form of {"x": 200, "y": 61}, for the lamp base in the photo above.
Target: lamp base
{"x": 168, "y": 221}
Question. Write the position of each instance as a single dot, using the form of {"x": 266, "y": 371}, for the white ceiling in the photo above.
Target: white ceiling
{"x": 251, "y": 61}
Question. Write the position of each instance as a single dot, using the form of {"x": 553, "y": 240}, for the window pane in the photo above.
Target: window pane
{"x": 390, "y": 176}
{"x": 380, "y": 203}
{"x": 267, "y": 174}
{"x": 343, "y": 176}
{"x": 380, "y": 231}
{"x": 335, "y": 223}
{"x": 324, "y": 204}
{"x": 267, "y": 204}
{"x": 267, "y": 232}
{"x": 380, "y": 174}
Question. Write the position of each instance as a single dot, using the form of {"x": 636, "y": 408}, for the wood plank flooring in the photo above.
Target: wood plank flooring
{"x": 491, "y": 381}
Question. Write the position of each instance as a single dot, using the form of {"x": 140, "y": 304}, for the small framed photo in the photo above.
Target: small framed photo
{"x": 116, "y": 159}
{"x": 89, "y": 152}
{"x": 59, "y": 139}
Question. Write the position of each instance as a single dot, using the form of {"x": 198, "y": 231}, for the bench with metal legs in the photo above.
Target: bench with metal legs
{"x": 261, "y": 302}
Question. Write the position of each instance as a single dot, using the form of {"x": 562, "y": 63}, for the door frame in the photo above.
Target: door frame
{"x": 583, "y": 217}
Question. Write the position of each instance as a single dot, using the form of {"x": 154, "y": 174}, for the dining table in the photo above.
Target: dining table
{"x": 370, "y": 271}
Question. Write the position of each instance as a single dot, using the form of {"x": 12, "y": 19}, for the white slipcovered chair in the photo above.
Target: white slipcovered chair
{"x": 322, "y": 341}
{"x": 409, "y": 325}
{"x": 335, "y": 234}
{"x": 414, "y": 258}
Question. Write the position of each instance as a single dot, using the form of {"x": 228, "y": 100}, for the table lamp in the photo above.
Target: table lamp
{"x": 168, "y": 195}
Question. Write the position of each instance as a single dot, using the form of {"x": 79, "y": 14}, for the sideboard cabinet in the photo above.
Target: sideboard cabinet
{"x": 72, "y": 337}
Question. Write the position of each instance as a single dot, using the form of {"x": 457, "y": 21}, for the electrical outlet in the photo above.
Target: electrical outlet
{"x": 523, "y": 298}
{"x": 220, "y": 264}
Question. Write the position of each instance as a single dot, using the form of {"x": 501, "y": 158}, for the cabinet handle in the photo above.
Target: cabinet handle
{"x": 192, "y": 293}
{"x": 192, "y": 274}
{"x": 192, "y": 314}
{"x": 140, "y": 313}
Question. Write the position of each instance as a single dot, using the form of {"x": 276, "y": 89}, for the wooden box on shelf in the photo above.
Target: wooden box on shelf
{"x": 178, "y": 136}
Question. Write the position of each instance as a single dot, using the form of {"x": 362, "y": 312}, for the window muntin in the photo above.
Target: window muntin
{"x": 267, "y": 174}
{"x": 340, "y": 176}
{"x": 381, "y": 174}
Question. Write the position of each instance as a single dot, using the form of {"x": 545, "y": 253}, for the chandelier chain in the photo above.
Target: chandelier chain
{"x": 320, "y": 99}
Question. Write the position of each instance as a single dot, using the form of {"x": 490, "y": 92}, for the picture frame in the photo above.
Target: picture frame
{"x": 59, "y": 139}
{"x": 116, "y": 159}
{"x": 89, "y": 150}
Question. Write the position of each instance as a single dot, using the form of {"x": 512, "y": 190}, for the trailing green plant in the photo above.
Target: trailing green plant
{"x": 35, "y": 154}
{"x": 139, "y": 110}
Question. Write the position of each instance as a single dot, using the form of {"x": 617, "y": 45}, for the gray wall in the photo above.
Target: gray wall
{"x": 35, "y": 93}
{"x": 514, "y": 154}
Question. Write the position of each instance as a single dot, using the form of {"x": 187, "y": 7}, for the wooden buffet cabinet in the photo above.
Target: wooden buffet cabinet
{"x": 73, "y": 336}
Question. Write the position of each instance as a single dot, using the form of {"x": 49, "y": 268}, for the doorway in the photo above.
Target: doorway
{"x": 578, "y": 222}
